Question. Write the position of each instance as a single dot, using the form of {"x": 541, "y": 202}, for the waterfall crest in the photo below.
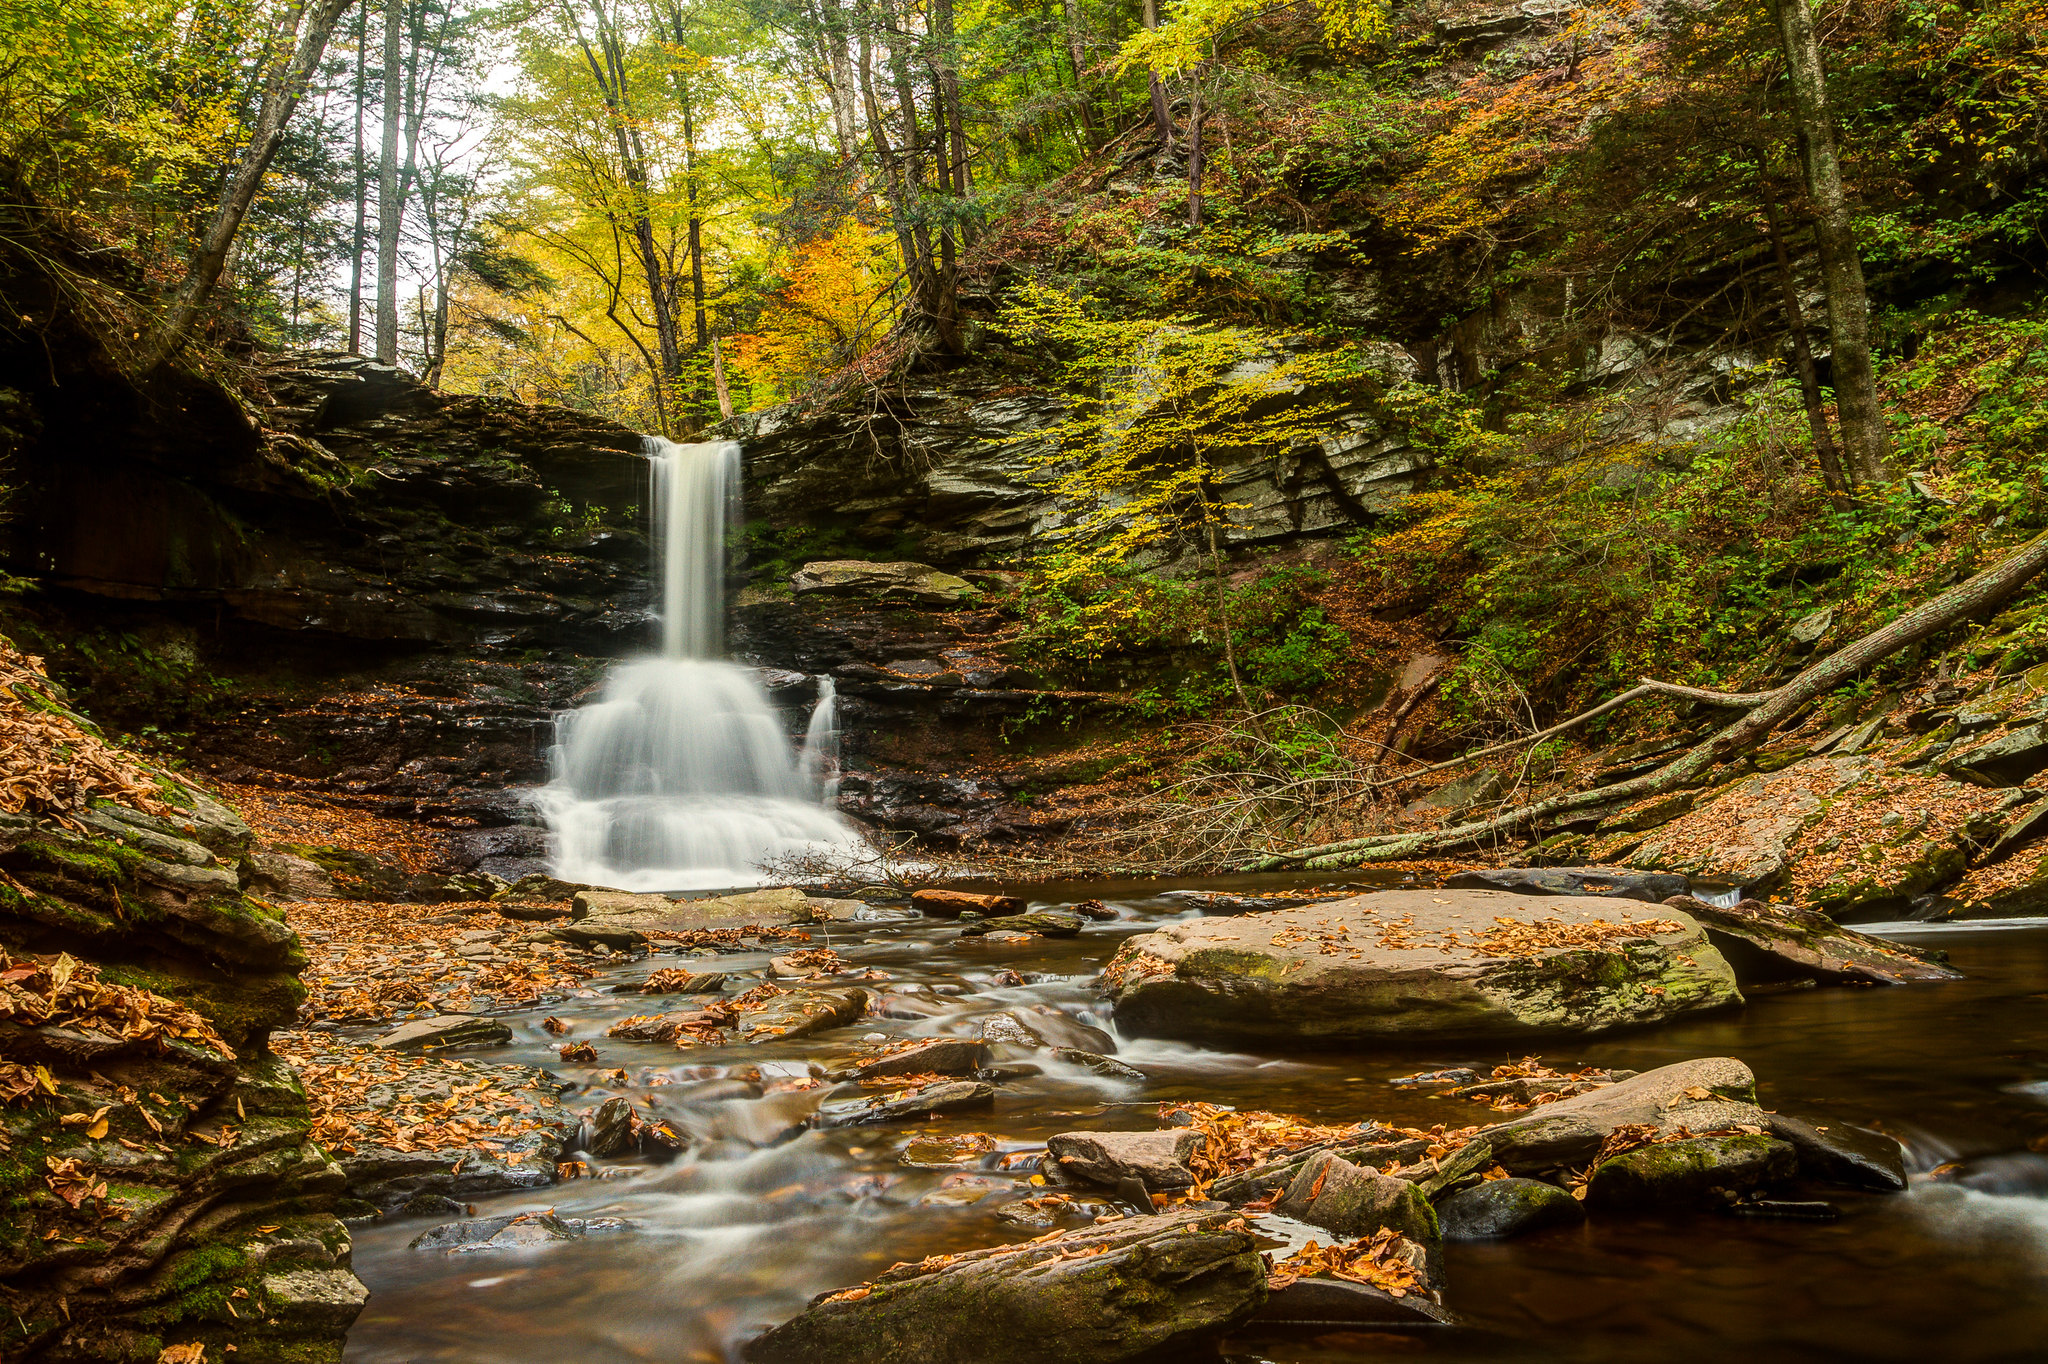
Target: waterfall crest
{"x": 680, "y": 777}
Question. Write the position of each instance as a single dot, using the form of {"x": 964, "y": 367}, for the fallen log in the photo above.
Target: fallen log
{"x": 1763, "y": 713}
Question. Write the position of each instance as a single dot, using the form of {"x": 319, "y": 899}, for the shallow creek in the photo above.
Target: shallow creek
{"x": 750, "y": 1222}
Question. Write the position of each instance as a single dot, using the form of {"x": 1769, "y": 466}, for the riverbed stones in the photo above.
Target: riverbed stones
{"x": 1692, "y": 1171}
{"x": 1103, "y": 1294}
{"x": 1705, "y": 1095}
{"x": 1842, "y": 1154}
{"x": 1770, "y": 942}
{"x": 1445, "y": 964}
{"x": 1357, "y": 1200}
{"x": 445, "y": 1032}
{"x": 922, "y": 1104}
{"x": 772, "y": 1012}
{"x": 938, "y": 1056}
{"x": 1042, "y": 1026}
{"x": 1045, "y": 924}
{"x": 1498, "y": 1208}
{"x": 1158, "y": 1160}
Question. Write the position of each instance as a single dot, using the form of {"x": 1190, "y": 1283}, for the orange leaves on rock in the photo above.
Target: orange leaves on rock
{"x": 67, "y": 992}
{"x": 578, "y": 1051}
{"x": 1387, "y": 1261}
{"x": 195, "y": 1353}
{"x": 1133, "y": 963}
{"x": 73, "y": 1183}
{"x": 20, "y": 1083}
{"x": 53, "y": 763}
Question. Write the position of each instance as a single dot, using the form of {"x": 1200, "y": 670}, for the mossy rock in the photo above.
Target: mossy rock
{"x": 1693, "y": 1172}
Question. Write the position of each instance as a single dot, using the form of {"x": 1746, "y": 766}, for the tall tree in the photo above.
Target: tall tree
{"x": 286, "y": 76}
{"x": 1864, "y": 438}
{"x": 390, "y": 196}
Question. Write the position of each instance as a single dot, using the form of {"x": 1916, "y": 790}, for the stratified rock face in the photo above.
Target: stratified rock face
{"x": 1419, "y": 964}
{"x": 158, "y": 1186}
{"x": 1154, "y": 1283}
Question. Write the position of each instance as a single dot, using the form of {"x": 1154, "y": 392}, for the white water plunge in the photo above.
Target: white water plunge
{"x": 680, "y": 776}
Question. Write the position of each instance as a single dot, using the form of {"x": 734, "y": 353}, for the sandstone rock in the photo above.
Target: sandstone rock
{"x": 1418, "y": 964}
{"x": 1355, "y": 1200}
{"x": 939, "y": 1056}
{"x": 786, "y": 1014}
{"x": 610, "y": 934}
{"x": 1765, "y": 943}
{"x": 321, "y": 1300}
{"x": 1742, "y": 837}
{"x": 612, "y": 1129}
{"x": 951, "y": 904}
{"x": 519, "y": 1231}
{"x": 1158, "y": 1160}
{"x": 445, "y": 1032}
{"x": 1700, "y": 1096}
{"x": 289, "y": 877}
{"x": 1603, "y": 882}
{"x": 2006, "y": 759}
{"x": 1158, "y": 1283}
{"x": 1046, "y": 924}
{"x": 1376, "y": 1147}
{"x": 1853, "y": 1157}
{"x": 1695, "y": 1171}
{"x": 1106, "y": 1066}
{"x": 675, "y": 982}
{"x": 626, "y": 910}
{"x": 1506, "y": 1207}
{"x": 920, "y": 583}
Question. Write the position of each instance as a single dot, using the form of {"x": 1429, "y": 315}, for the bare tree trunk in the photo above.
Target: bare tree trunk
{"x": 1863, "y": 430}
{"x": 718, "y": 380}
{"x": 1195, "y": 147}
{"x": 1765, "y": 712}
{"x": 1160, "y": 114}
{"x": 390, "y": 209}
{"x": 1802, "y": 352}
{"x": 951, "y": 154}
{"x": 892, "y": 169}
{"x": 355, "y": 259}
{"x": 1091, "y": 126}
{"x": 284, "y": 86}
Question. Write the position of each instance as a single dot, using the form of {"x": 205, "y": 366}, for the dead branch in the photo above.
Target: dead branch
{"x": 1986, "y": 589}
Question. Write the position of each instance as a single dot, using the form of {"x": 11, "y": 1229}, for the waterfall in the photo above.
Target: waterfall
{"x": 680, "y": 777}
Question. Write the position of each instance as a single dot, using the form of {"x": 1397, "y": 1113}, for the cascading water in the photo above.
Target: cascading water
{"x": 680, "y": 777}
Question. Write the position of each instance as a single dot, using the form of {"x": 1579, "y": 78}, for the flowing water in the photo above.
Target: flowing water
{"x": 763, "y": 1211}
{"x": 680, "y": 776}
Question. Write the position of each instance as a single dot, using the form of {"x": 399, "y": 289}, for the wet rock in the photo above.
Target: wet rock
{"x": 519, "y": 1231}
{"x": 612, "y": 938}
{"x": 1506, "y": 1207}
{"x": 1046, "y": 924}
{"x": 951, "y": 904}
{"x": 1453, "y": 1171}
{"x": 1156, "y": 1283}
{"x": 1852, "y": 1157}
{"x": 445, "y": 1032}
{"x": 1785, "y": 1210}
{"x": 783, "y": 1014}
{"x": 434, "y": 1205}
{"x": 1419, "y": 964}
{"x": 613, "y": 1129}
{"x": 1158, "y": 1160}
{"x": 1340, "y": 1302}
{"x": 1456, "y": 1075}
{"x": 1106, "y": 1066}
{"x": 940, "y": 1056}
{"x": 1044, "y": 1026}
{"x": 678, "y": 982}
{"x": 1356, "y": 1200}
{"x": 1766, "y": 943}
{"x": 387, "y": 1177}
{"x": 314, "y": 1299}
{"x": 1700, "y": 1096}
{"x": 919, "y": 583}
{"x": 922, "y": 1104}
{"x": 1694, "y": 1171}
{"x": 1093, "y": 909}
{"x": 1375, "y": 1147}
{"x": 623, "y": 910}
{"x": 1603, "y": 882}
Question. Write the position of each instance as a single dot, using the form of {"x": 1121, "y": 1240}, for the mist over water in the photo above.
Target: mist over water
{"x": 680, "y": 776}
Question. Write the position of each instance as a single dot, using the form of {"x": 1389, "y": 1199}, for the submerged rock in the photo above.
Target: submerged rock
{"x": 1696, "y": 1171}
{"x": 1046, "y": 924}
{"x": 519, "y": 1231}
{"x": 1506, "y": 1207}
{"x": 1614, "y": 883}
{"x": 762, "y": 1014}
{"x": 1340, "y": 1302}
{"x": 1853, "y": 1157}
{"x": 1774, "y": 942}
{"x": 1103, "y": 1294}
{"x": 1043, "y": 1026}
{"x": 1158, "y": 1160}
{"x": 914, "y": 1105}
{"x": 1420, "y": 964}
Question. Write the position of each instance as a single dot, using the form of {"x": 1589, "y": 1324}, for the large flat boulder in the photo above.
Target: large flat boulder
{"x": 1107, "y": 1293}
{"x": 1435, "y": 964}
{"x": 918, "y": 583}
{"x": 618, "y": 909}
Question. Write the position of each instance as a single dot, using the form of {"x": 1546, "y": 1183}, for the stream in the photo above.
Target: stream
{"x": 762, "y": 1212}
